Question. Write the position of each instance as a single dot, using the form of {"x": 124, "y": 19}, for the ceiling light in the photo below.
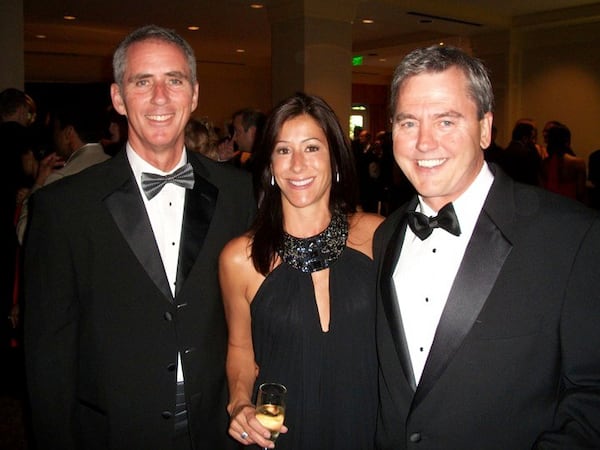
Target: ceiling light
{"x": 193, "y": 28}
{"x": 368, "y": 21}
{"x": 256, "y": 6}
{"x": 40, "y": 36}
{"x": 240, "y": 50}
{"x": 69, "y": 17}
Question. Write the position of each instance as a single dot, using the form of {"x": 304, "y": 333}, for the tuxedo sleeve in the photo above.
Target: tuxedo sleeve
{"x": 577, "y": 419}
{"x": 50, "y": 324}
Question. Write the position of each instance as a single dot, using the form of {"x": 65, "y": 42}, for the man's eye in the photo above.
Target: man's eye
{"x": 141, "y": 83}
{"x": 176, "y": 82}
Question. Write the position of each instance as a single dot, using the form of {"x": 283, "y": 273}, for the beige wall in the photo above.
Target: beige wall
{"x": 550, "y": 72}
{"x": 226, "y": 88}
{"x": 561, "y": 81}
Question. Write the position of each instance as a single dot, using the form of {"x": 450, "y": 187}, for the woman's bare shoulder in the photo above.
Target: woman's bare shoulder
{"x": 237, "y": 251}
{"x": 362, "y": 226}
{"x": 365, "y": 222}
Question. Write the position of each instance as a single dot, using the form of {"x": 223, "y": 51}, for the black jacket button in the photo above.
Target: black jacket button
{"x": 166, "y": 414}
{"x": 415, "y": 437}
{"x": 171, "y": 367}
{"x": 168, "y": 316}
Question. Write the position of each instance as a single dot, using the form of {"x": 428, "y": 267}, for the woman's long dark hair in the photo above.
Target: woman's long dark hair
{"x": 267, "y": 229}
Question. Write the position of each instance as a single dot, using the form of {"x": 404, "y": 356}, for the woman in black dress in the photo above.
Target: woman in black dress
{"x": 299, "y": 289}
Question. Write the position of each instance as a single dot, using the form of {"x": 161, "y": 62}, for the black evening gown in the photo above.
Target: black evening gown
{"x": 331, "y": 376}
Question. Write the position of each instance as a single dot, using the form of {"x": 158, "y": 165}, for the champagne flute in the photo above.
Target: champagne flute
{"x": 270, "y": 407}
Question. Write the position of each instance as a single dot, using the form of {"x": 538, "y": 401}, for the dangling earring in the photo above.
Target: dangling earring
{"x": 272, "y": 180}
{"x": 337, "y": 176}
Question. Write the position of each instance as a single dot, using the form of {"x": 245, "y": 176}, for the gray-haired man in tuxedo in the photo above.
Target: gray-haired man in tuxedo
{"x": 125, "y": 335}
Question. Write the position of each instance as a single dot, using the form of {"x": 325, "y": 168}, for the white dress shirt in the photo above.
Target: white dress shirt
{"x": 426, "y": 270}
{"x": 165, "y": 212}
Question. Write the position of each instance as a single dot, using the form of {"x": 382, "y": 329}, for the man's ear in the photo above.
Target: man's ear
{"x": 485, "y": 130}
{"x": 117, "y": 99}
{"x": 69, "y": 131}
{"x": 195, "y": 96}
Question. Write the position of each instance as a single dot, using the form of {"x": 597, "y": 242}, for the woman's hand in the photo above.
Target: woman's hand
{"x": 245, "y": 428}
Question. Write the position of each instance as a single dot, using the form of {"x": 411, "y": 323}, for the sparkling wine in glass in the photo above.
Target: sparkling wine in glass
{"x": 270, "y": 407}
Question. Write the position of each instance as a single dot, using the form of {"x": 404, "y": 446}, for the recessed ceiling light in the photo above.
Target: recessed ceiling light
{"x": 193, "y": 28}
{"x": 382, "y": 60}
{"x": 256, "y": 6}
{"x": 368, "y": 21}
{"x": 40, "y": 36}
{"x": 69, "y": 17}
{"x": 240, "y": 50}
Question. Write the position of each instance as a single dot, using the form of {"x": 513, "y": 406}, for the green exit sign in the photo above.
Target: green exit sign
{"x": 357, "y": 60}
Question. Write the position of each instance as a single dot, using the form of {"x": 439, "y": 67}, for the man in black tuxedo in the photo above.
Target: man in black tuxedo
{"x": 125, "y": 335}
{"x": 487, "y": 321}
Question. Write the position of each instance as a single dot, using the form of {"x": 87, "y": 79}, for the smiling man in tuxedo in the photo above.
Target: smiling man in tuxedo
{"x": 488, "y": 292}
{"x": 125, "y": 335}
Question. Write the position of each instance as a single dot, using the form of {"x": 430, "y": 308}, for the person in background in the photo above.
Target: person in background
{"x": 367, "y": 158}
{"x": 521, "y": 159}
{"x": 125, "y": 333}
{"x": 594, "y": 179}
{"x": 117, "y": 133}
{"x": 488, "y": 289}
{"x": 14, "y": 137}
{"x": 493, "y": 152}
{"x": 198, "y": 139}
{"x": 299, "y": 289}
{"x": 247, "y": 125}
{"x": 225, "y": 145}
{"x": 540, "y": 148}
{"x": 77, "y": 131}
{"x": 562, "y": 172}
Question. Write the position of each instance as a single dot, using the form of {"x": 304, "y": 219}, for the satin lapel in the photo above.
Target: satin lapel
{"x": 127, "y": 209}
{"x": 389, "y": 298}
{"x": 482, "y": 262}
{"x": 199, "y": 209}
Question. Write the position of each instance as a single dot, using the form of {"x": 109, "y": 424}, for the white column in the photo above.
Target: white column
{"x": 311, "y": 50}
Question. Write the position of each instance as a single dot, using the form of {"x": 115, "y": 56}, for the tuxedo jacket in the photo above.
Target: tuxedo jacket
{"x": 102, "y": 329}
{"x": 515, "y": 361}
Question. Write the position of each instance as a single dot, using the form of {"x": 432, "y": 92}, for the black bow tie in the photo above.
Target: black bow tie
{"x": 153, "y": 183}
{"x": 423, "y": 226}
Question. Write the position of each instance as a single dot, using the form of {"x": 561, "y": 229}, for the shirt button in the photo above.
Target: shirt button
{"x": 415, "y": 437}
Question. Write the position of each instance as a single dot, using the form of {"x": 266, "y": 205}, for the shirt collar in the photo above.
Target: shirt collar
{"x": 139, "y": 165}
{"x": 469, "y": 204}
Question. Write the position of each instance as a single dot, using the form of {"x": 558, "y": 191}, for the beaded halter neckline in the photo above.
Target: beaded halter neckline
{"x": 317, "y": 252}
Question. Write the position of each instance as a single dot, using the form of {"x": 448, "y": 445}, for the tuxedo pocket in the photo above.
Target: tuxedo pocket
{"x": 509, "y": 327}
